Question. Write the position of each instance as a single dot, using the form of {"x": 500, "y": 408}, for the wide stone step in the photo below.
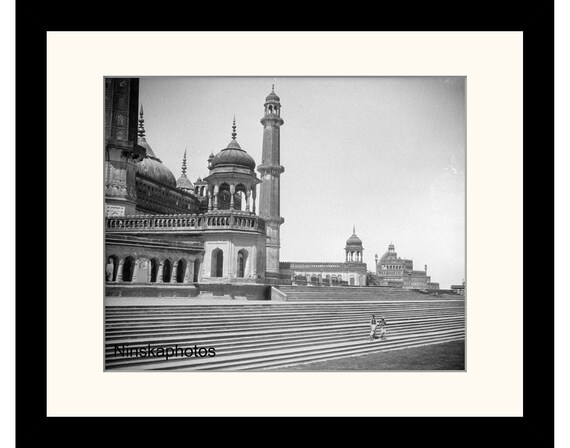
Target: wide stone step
{"x": 269, "y": 334}
{"x": 296, "y": 354}
{"x": 262, "y": 326}
{"x": 265, "y": 337}
{"x": 227, "y": 350}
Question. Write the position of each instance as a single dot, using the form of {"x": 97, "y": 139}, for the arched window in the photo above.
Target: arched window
{"x": 128, "y": 269}
{"x": 166, "y": 271}
{"x": 239, "y": 198}
{"x": 217, "y": 263}
{"x": 181, "y": 271}
{"x": 196, "y": 269}
{"x": 351, "y": 281}
{"x": 241, "y": 262}
{"x": 153, "y": 270}
{"x": 224, "y": 197}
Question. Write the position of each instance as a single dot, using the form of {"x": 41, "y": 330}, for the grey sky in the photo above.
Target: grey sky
{"x": 386, "y": 154}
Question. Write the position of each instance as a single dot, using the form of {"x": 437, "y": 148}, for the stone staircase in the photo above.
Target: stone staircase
{"x": 263, "y": 334}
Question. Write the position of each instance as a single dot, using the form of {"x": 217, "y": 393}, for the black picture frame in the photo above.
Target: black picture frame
{"x": 535, "y": 19}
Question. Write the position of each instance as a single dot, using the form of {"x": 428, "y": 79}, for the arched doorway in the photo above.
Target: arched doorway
{"x": 241, "y": 262}
{"x": 217, "y": 263}
{"x": 128, "y": 269}
{"x": 181, "y": 271}
{"x": 153, "y": 270}
{"x": 196, "y": 270}
{"x": 166, "y": 271}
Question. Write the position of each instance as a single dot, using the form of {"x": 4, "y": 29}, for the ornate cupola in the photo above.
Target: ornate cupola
{"x": 232, "y": 180}
{"x": 354, "y": 247}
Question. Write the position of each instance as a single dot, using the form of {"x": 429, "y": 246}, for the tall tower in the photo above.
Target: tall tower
{"x": 270, "y": 171}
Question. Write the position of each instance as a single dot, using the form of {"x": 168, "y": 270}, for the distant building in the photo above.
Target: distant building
{"x": 459, "y": 289}
{"x": 392, "y": 270}
{"x": 351, "y": 272}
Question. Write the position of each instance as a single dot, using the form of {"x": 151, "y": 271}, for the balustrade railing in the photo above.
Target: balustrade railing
{"x": 230, "y": 220}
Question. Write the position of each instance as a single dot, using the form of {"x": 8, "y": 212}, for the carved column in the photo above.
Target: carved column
{"x": 120, "y": 271}
{"x": 216, "y": 190}
{"x": 209, "y": 193}
{"x": 248, "y": 199}
{"x": 159, "y": 273}
{"x": 189, "y": 272}
{"x": 232, "y": 193}
{"x": 253, "y": 192}
{"x": 174, "y": 272}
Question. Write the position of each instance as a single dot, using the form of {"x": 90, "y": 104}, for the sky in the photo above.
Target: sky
{"x": 385, "y": 154}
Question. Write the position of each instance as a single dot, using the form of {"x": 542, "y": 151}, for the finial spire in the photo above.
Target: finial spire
{"x": 141, "y": 123}
{"x": 353, "y": 229}
{"x": 184, "y": 163}
{"x": 272, "y": 88}
{"x": 234, "y": 133}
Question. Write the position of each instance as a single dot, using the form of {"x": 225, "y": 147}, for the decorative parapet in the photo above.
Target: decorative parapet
{"x": 219, "y": 220}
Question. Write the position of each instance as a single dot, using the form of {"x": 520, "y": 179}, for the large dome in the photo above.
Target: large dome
{"x": 153, "y": 168}
{"x": 391, "y": 255}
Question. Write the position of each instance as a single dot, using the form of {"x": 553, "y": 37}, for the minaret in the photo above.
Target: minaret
{"x": 270, "y": 171}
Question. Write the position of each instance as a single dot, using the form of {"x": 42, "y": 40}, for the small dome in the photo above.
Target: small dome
{"x": 354, "y": 241}
{"x": 233, "y": 155}
{"x": 183, "y": 183}
{"x": 272, "y": 96}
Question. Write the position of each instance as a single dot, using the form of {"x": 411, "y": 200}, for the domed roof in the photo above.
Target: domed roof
{"x": 272, "y": 96}
{"x": 390, "y": 255}
{"x": 183, "y": 183}
{"x": 353, "y": 240}
{"x": 151, "y": 166}
{"x": 233, "y": 155}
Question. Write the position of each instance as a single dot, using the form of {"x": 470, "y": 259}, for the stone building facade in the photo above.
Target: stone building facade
{"x": 162, "y": 230}
{"x": 351, "y": 272}
{"x": 392, "y": 270}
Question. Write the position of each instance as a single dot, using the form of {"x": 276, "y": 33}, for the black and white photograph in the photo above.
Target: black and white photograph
{"x": 284, "y": 223}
